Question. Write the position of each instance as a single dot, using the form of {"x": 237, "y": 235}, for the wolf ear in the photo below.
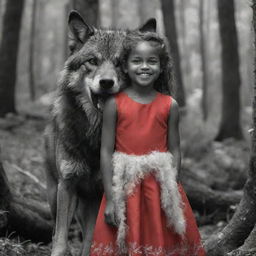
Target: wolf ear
{"x": 80, "y": 31}
{"x": 149, "y": 26}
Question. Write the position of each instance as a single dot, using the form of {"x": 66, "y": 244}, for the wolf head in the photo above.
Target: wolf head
{"x": 95, "y": 58}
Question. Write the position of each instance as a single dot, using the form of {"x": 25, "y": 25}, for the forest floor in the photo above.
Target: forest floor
{"x": 22, "y": 150}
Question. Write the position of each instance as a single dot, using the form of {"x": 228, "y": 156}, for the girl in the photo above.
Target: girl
{"x": 144, "y": 210}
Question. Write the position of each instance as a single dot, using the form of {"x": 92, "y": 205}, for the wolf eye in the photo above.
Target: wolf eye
{"x": 117, "y": 62}
{"x": 93, "y": 61}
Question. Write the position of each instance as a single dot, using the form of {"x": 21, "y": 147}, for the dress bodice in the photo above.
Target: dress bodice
{"x": 142, "y": 128}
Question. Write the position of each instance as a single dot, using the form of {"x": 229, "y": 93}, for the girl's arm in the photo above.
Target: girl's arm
{"x": 106, "y": 153}
{"x": 174, "y": 136}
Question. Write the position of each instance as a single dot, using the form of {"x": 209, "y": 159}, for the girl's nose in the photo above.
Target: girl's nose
{"x": 144, "y": 65}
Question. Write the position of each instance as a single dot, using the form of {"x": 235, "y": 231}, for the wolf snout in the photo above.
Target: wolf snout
{"x": 106, "y": 83}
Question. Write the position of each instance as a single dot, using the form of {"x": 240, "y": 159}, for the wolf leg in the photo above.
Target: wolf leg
{"x": 86, "y": 215}
{"x": 52, "y": 186}
{"x": 66, "y": 205}
{"x": 51, "y": 172}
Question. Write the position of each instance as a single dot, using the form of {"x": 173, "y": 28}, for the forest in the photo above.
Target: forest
{"x": 212, "y": 43}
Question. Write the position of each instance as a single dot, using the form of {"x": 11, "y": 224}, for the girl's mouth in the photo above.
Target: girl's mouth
{"x": 144, "y": 74}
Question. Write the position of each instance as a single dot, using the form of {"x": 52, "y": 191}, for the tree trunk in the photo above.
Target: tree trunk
{"x": 147, "y": 10}
{"x": 239, "y": 227}
{"x": 171, "y": 33}
{"x": 89, "y": 9}
{"x": 127, "y": 15}
{"x": 185, "y": 52}
{"x": 182, "y": 20}
{"x": 114, "y": 5}
{"x": 8, "y": 55}
{"x": 25, "y": 217}
{"x": 40, "y": 40}
{"x": 230, "y": 119}
{"x": 204, "y": 199}
{"x": 203, "y": 60}
{"x": 249, "y": 246}
{"x": 2, "y": 10}
{"x": 243, "y": 222}
{"x": 31, "y": 51}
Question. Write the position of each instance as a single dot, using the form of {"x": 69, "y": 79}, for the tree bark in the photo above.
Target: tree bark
{"x": 2, "y": 10}
{"x": 8, "y": 55}
{"x": 127, "y": 14}
{"x": 31, "y": 51}
{"x": 171, "y": 34}
{"x": 203, "y": 60}
{"x": 239, "y": 227}
{"x": 230, "y": 119}
{"x": 114, "y": 9}
{"x": 243, "y": 222}
{"x": 182, "y": 20}
{"x": 204, "y": 199}
{"x": 25, "y": 217}
{"x": 248, "y": 248}
{"x": 147, "y": 10}
{"x": 185, "y": 52}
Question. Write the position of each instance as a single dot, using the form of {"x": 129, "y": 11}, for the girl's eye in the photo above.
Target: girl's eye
{"x": 135, "y": 61}
{"x": 153, "y": 61}
{"x": 93, "y": 61}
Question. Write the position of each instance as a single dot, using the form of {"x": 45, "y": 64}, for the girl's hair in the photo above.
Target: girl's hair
{"x": 165, "y": 81}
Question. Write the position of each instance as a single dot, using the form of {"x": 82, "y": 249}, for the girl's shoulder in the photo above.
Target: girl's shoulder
{"x": 166, "y": 99}
{"x": 165, "y": 96}
{"x": 169, "y": 103}
{"x": 118, "y": 97}
{"x": 174, "y": 103}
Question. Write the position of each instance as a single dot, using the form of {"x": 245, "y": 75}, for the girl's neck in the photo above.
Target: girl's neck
{"x": 141, "y": 95}
{"x": 142, "y": 91}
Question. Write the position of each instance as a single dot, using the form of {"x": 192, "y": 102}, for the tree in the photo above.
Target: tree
{"x": 203, "y": 60}
{"x": 241, "y": 230}
{"x": 31, "y": 51}
{"x": 185, "y": 51}
{"x": 230, "y": 119}
{"x": 147, "y": 9}
{"x": 171, "y": 33}
{"x": 8, "y": 55}
{"x": 126, "y": 14}
{"x": 27, "y": 218}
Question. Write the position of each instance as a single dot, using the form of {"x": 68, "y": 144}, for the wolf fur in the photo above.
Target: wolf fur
{"x": 72, "y": 138}
{"x": 129, "y": 170}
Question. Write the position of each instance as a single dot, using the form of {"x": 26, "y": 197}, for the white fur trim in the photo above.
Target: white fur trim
{"x": 129, "y": 170}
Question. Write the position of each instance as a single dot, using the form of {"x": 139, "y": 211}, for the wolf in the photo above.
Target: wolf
{"x": 92, "y": 72}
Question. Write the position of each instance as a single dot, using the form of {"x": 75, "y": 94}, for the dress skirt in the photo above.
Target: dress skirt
{"x": 147, "y": 231}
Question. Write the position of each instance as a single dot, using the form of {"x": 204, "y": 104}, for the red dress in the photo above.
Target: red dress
{"x": 154, "y": 211}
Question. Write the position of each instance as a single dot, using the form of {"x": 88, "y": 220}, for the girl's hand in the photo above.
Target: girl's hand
{"x": 109, "y": 214}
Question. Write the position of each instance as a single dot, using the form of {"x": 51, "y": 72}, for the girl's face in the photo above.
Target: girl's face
{"x": 143, "y": 64}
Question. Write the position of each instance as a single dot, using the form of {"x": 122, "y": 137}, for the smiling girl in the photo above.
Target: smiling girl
{"x": 144, "y": 210}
